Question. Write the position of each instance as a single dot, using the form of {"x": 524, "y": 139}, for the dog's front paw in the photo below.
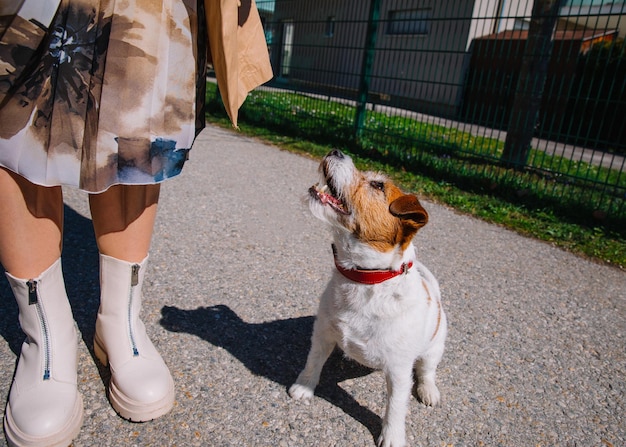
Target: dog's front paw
{"x": 428, "y": 393}
{"x": 300, "y": 392}
{"x": 391, "y": 438}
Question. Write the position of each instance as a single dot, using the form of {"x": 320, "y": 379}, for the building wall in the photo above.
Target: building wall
{"x": 598, "y": 15}
{"x": 425, "y": 68}
{"x": 320, "y": 58}
{"x": 493, "y": 16}
{"x": 424, "y": 72}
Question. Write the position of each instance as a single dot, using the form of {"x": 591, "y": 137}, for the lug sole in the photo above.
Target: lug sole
{"x": 139, "y": 411}
{"x": 62, "y": 438}
{"x": 130, "y": 409}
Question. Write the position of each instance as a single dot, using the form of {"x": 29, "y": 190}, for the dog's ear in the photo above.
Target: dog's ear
{"x": 408, "y": 208}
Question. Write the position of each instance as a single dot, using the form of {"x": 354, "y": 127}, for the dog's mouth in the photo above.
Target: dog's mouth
{"x": 327, "y": 195}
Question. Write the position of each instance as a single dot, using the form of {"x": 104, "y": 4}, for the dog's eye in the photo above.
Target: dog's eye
{"x": 378, "y": 185}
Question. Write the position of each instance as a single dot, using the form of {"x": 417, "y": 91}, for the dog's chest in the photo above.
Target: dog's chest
{"x": 376, "y": 326}
{"x": 364, "y": 341}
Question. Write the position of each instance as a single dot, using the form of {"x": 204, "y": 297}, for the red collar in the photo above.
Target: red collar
{"x": 370, "y": 276}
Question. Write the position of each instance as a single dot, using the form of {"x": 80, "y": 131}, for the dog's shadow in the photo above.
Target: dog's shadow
{"x": 276, "y": 350}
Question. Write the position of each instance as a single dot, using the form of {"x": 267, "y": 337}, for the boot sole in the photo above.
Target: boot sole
{"x": 130, "y": 409}
{"x": 64, "y": 437}
{"x": 139, "y": 411}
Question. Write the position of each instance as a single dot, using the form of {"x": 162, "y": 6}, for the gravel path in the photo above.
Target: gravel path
{"x": 536, "y": 352}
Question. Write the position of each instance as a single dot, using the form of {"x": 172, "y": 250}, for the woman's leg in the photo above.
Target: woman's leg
{"x": 123, "y": 220}
{"x": 45, "y": 407}
{"x": 141, "y": 386}
{"x": 31, "y": 225}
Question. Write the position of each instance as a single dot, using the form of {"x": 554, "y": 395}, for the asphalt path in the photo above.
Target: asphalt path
{"x": 535, "y": 356}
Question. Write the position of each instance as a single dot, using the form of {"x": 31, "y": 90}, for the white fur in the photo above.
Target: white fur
{"x": 396, "y": 326}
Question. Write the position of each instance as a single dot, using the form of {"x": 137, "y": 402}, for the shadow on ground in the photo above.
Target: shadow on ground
{"x": 276, "y": 350}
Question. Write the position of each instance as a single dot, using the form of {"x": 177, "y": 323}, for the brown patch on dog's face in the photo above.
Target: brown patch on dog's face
{"x": 366, "y": 204}
{"x": 382, "y": 215}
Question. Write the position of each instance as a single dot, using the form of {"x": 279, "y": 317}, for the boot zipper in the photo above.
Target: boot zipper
{"x": 33, "y": 299}
{"x": 134, "y": 280}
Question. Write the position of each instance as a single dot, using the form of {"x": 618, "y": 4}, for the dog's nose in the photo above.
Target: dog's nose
{"x": 336, "y": 153}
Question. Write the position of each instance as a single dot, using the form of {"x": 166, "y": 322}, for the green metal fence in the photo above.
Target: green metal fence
{"x": 522, "y": 99}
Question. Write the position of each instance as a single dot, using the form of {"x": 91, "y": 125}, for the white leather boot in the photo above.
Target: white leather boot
{"x": 45, "y": 407}
{"x": 141, "y": 387}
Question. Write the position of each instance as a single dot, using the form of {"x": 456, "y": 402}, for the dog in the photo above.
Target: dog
{"x": 381, "y": 307}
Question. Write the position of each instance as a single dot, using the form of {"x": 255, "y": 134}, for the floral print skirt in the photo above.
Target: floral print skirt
{"x": 100, "y": 92}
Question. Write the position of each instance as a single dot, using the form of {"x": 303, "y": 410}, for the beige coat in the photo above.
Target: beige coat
{"x": 238, "y": 50}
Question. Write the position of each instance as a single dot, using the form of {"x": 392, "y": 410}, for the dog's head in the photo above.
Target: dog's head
{"x": 367, "y": 205}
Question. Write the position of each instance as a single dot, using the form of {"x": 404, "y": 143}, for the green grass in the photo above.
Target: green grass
{"x": 402, "y": 134}
{"x": 441, "y": 164}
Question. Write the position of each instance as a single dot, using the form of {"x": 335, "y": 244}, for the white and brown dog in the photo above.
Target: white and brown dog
{"x": 382, "y": 307}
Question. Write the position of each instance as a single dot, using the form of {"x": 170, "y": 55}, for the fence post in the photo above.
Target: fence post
{"x": 530, "y": 84}
{"x": 366, "y": 67}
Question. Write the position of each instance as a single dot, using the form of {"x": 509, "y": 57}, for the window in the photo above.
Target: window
{"x": 330, "y": 27}
{"x": 285, "y": 62}
{"x": 414, "y": 21}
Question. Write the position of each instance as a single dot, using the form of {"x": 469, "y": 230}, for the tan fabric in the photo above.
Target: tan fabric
{"x": 238, "y": 50}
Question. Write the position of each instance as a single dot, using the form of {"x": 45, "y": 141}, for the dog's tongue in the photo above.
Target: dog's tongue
{"x": 328, "y": 199}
